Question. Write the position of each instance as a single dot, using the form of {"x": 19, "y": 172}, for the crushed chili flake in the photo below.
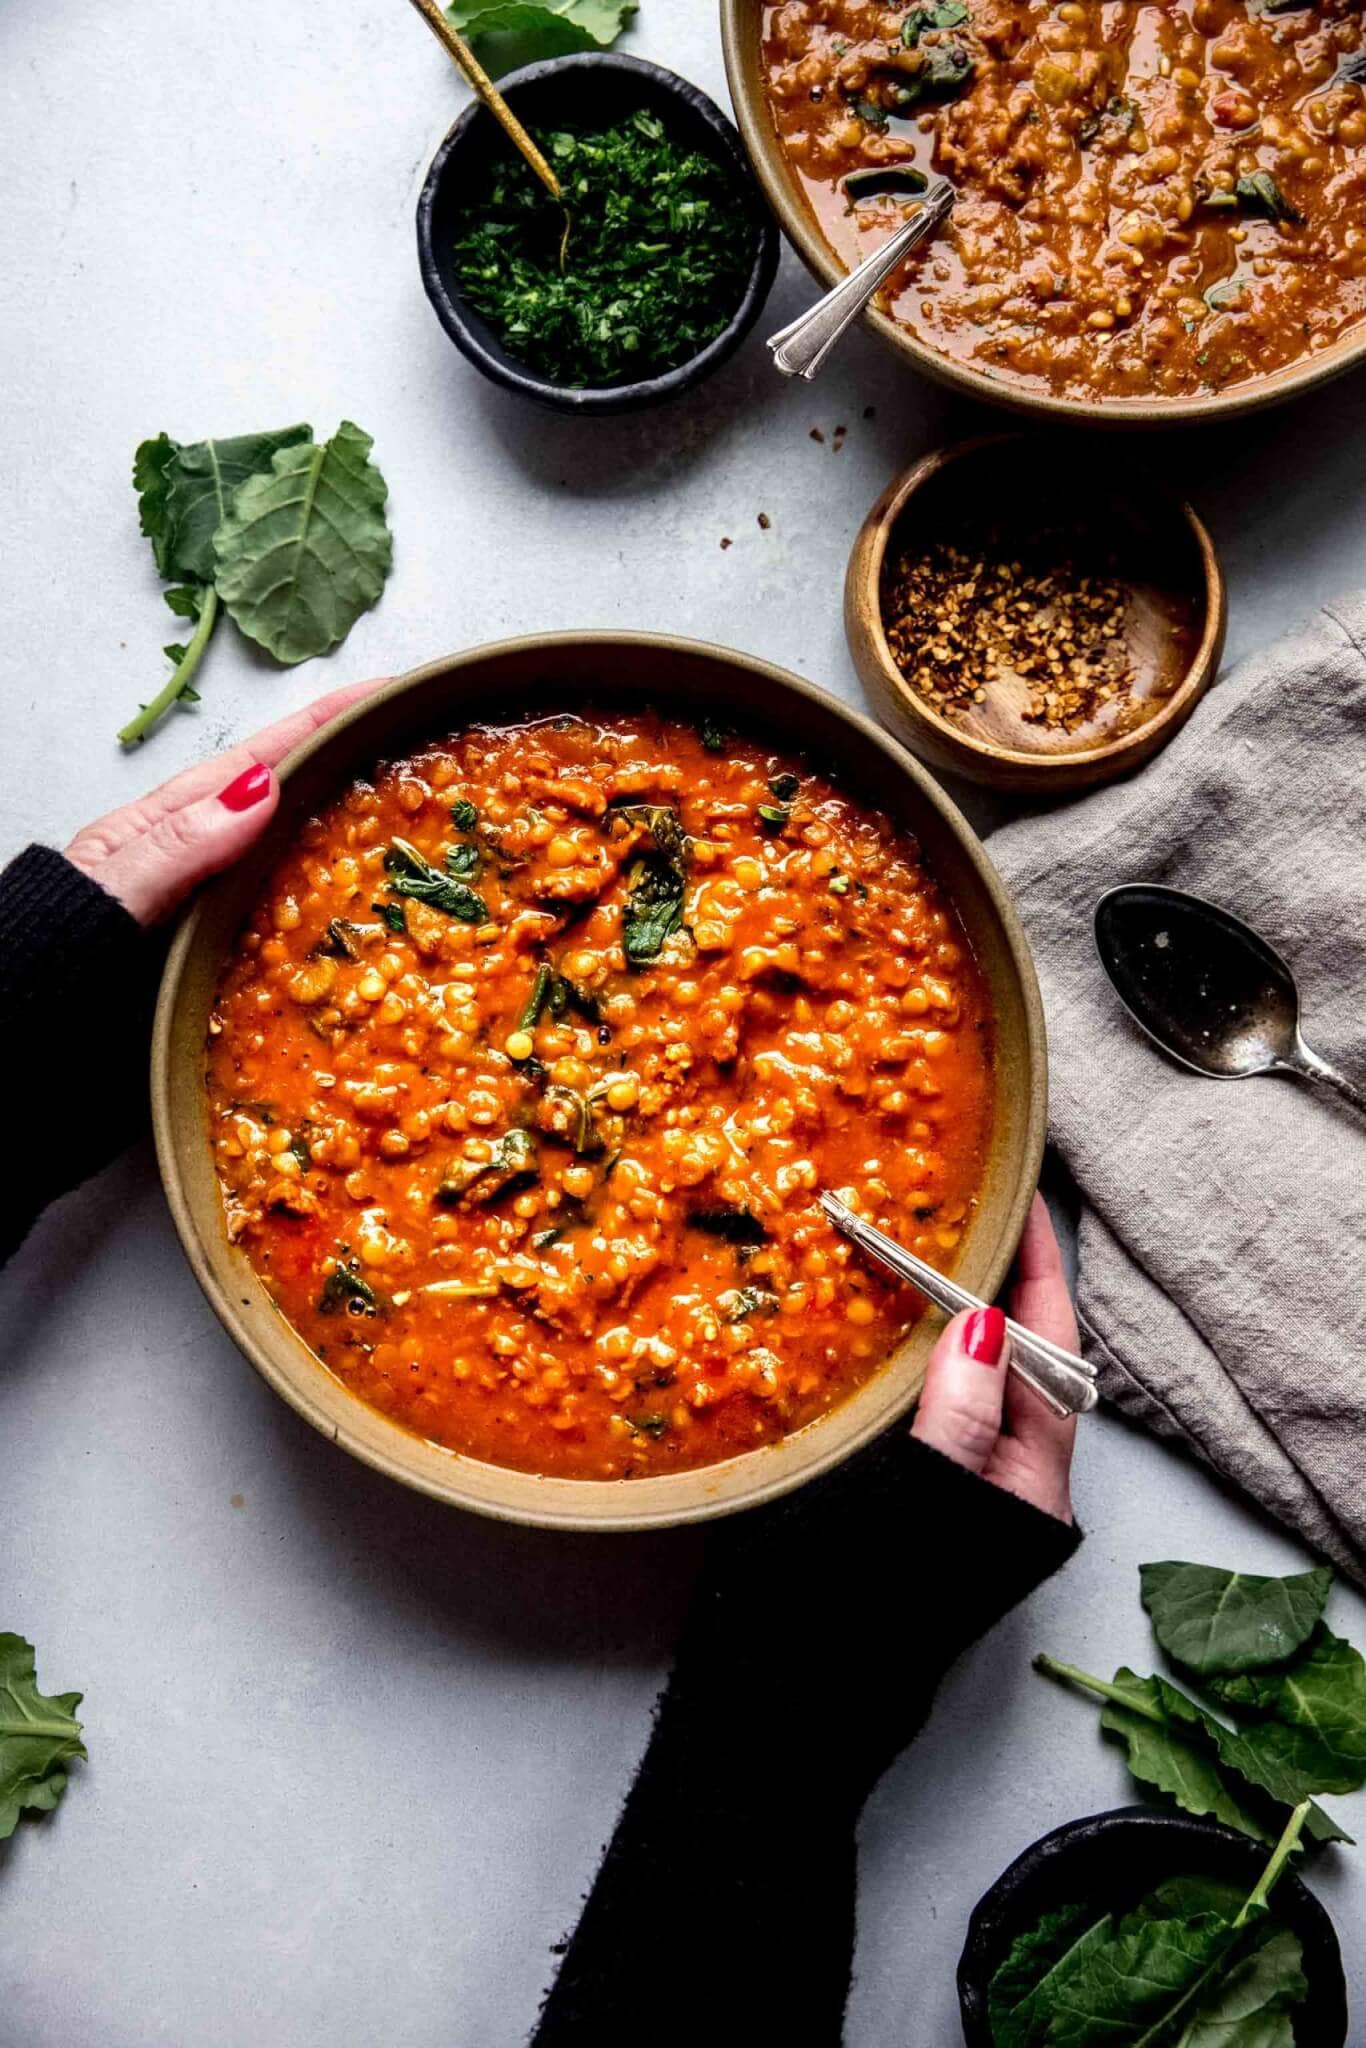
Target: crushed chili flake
{"x": 959, "y": 619}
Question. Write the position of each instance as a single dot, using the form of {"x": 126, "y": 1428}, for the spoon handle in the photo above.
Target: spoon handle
{"x": 1306, "y": 1062}
{"x": 1063, "y": 1381}
{"x": 455, "y": 46}
{"x": 800, "y": 348}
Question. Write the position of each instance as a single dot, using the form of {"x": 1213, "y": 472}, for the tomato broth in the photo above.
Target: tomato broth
{"x": 526, "y": 1071}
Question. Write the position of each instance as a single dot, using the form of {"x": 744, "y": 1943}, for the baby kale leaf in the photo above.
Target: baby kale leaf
{"x": 305, "y": 548}
{"x": 39, "y": 1735}
{"x": 1218, "y": 1622}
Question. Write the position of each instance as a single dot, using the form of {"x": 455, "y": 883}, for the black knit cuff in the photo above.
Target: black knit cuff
{"x": 78, "y": 981}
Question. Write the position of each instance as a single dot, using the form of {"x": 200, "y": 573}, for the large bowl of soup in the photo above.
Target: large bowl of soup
{"x": 1161, "y": 211}
{"x": 495, "y": 1090}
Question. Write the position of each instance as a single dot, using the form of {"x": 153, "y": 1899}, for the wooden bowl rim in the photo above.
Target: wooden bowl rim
{"x": 740, "y": 48}
{"x": 869, "y": 554}
{"x": 280, "y": 1355}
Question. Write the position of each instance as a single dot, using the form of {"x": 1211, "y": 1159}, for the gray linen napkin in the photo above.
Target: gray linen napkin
{"x": 1223, "y": 1226}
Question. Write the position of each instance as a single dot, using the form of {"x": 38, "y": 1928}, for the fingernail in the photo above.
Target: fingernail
{"x": 984, "y": 1335}
{"x": 248, "y": 789}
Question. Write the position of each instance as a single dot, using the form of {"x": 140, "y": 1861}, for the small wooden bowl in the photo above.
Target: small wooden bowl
{"x": 1159, "y": 551}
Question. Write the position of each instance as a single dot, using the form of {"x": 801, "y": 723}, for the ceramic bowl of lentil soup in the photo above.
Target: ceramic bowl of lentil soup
{"x": 493, "y": 1091}
{"x": 1028, "y": 612}
{"x": 670, "y": 250}
{"x": 1159, "y": 209}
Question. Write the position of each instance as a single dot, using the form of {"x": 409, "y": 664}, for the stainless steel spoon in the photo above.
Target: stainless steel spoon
{"x": 1207, "y": 988}
{"x": 800, "y": 348}
{"x": 1064, "y": 1382}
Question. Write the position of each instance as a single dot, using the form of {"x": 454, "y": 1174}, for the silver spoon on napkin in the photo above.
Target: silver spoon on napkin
{"x": 1063, "y": 1381}
{"x": 800, "y": 348}
{"x": 1207, "y": 988}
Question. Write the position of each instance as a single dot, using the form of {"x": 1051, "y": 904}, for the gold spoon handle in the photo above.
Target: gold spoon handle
{"x": 454, "y": 43}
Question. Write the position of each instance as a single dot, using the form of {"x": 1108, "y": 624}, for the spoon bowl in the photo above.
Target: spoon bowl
{"x": 1207, "y": 988}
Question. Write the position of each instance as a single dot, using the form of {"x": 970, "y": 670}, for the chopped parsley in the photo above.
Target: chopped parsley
{"x": 657, "y": 256}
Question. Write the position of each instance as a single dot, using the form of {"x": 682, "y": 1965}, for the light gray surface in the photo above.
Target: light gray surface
{"x": 353, "y": 1758}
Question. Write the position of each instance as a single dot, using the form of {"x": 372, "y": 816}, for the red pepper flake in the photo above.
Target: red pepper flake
{"x": 817, "y": 435}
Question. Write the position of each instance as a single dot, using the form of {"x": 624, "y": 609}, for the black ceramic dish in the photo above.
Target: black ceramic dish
{"x": 589, "y": 89}
{"x": 1114, "y": 1859}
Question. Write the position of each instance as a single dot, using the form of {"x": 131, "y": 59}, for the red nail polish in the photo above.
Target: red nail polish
{"x": 984, "y": 1336}
{"x": 248, "y": 789}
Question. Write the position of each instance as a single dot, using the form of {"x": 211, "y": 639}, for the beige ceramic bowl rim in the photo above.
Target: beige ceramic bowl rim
{"x": 738, "y": 18}
{"x": 887, "y": 512}
{"x": 318, "y": 1397}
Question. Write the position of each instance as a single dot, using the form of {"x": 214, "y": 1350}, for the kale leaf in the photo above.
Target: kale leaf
{"x": 310, "y": 556}
{"x": 1195, "y": 1965}
{"x": 306, "y": 548}
{"x": 1215, "y": 1621}
{"x": 509, "y": 33}
{"x": 737, "y": 1226}
{"x": 942, "y": 14}
{"x": 345, "y": 1288}
{"x": 657, "y": 881}
{"x": 514, "y": 1160}
{"x": 1178, "y": 1747}
{"x": 1258, "y": 192}
{"x": 39, "y": 1735}
{"x": 1311, "y": 1718}
{"x": 184, "y": 492}
{"x": 410, "y": 874}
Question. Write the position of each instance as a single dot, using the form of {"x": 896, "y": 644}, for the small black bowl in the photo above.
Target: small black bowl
{"x": 589, "y": 90}
{"x": 1113, "y": 1859}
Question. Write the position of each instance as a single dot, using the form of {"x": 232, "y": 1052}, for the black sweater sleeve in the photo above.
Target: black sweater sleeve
{"x": 78, "y": 982}
{"x": 724, "y": 1907}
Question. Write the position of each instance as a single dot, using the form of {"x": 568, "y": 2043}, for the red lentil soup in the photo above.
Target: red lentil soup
{"x": 528, "y": 1067}
{"x": 1159, "y": 200}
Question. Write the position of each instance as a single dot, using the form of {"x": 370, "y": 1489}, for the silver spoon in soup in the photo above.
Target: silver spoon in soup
{"x": 802, "y": 347}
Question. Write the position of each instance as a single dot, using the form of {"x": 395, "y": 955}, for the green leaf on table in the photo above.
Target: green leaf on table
{"x": 1310, "y": 1732}
{"x": 186, "y": 600}
{"x": 39, "y": 1735}
{"x": 186, "y": 489}
{"x": 509, "y": 33}
{"x": 152, "y": 462}
{"x": 1214, "y": 1621}
{"x": 1321, "y": 1696}
{"x": 1176, "y": 1746}
{"x": 1171, "y": 1746}
{"x": 305, "y": 549}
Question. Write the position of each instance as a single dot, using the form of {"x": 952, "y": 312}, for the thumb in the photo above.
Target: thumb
{"x": 157, "y": 862}
{"x": 961, "y": 1402}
